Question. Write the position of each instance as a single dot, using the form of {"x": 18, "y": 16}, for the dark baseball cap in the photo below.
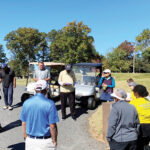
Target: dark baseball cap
{"x": 68, "y": 67}
{"x": 4, "y": 65}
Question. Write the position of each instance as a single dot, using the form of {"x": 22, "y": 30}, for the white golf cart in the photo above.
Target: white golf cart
{"x": 86, "y": 87}
{"x": 54, "y": 88}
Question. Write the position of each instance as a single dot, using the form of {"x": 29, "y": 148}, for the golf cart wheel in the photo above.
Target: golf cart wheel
{"x": 91, "y": 103}
{"x": 24, "y": 97}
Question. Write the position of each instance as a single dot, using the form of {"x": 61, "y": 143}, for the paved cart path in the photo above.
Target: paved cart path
{"x": 73, "y": 135}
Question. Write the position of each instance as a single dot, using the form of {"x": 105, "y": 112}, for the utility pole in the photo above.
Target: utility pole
{"x": 134, "y": 58}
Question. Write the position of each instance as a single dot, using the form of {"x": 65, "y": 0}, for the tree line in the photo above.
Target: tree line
{"x": 73, "y": 44}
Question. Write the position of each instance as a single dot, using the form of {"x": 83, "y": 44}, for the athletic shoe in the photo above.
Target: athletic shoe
{"x": 10, "y": 108}
{"x": 5, "y": 107}
{"x": 1, "y": 129}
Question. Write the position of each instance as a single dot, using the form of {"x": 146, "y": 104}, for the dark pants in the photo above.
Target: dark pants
{"x": 71, "y": 98}
{"x": 8, "y": 95}
{"x": 144, "y": 137}
{"x": 131, "y": 145}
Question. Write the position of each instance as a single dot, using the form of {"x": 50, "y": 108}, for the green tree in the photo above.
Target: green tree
{"x": 143, "y": 40}
{"x": 17, "y": 67}
{"x": 2, "y": 55}
{"x": 72, "y": 44}
{"x": 44, "y": 51}
{"x": 143, "y": 45}
{"x": 26, "y": 44}
{"x": 120, "y": 59}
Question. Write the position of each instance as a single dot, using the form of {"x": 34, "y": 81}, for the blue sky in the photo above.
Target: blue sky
{"x": 111, "y": 21}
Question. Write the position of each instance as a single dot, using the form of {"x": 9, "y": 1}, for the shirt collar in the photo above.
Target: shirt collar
{"x": 39, "y": 94}
{"x": 42, "y": 69}
{"x": 108, "y": 78}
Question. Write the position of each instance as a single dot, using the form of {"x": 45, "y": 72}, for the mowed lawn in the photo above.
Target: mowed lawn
{"x": 96, "y": 119}
{"x": 139, "y": 78}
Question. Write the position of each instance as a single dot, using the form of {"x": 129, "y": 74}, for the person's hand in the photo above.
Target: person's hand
{"x": 55, "y": 144}
{"x": 64, "y": 84}
{"x": 14, "y": 86}
{"x": 104, "y": 85}
{"x": 103, "y": 75}
{"x": 128, "y": 99}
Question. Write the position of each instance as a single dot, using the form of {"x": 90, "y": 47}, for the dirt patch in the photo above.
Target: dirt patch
{"x": 95, "y": 123}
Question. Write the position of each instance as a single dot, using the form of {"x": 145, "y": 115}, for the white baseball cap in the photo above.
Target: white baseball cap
{"x": 119, "y": 94}
{"x": 107, "y": 71}
{"x": 41, "y": 85}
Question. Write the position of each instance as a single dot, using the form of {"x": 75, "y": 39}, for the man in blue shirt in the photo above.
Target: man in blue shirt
{"x": 39, "y": 117}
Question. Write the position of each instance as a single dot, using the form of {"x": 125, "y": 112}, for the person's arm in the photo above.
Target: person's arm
{"x": 24, "y": 129}
{"x": 113, "y": 83}
{"x": 34, "y": 76}
{"x": 14, "y": 79}
{"x": 48, "y": 76}
{"x": 0, "y": 80}
{"x": 54, "y": 133}
{"x": 53, "y": 119}
{"x": 14, "y": 82}
{"x": 112, "y": 124}
{"x": 35, "y": 79}
{"x": 137, "y": 122}
{"x": 23, "y": 119}
{"x": 60, "y": 79}
{"x": 100, "y": 82}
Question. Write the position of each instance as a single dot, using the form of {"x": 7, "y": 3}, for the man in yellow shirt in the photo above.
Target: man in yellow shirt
{"x": 67, "y": 90}
{"x": 143, "y": 109}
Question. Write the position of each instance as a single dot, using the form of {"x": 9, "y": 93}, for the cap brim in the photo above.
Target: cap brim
{"x": 115, "y": 96}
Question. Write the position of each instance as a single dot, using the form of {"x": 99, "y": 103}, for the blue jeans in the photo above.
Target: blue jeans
{"x": 8, "y": 94}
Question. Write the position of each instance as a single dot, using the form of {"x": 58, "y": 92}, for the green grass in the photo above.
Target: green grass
{"x": 21, "y": 82}
{"x": 139, "y": 78}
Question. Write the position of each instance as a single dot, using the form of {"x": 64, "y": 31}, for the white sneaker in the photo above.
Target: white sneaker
{"x": 10, "y": 108}
{"x": 5, "y": 107}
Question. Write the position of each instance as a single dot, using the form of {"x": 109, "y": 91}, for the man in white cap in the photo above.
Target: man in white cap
{"x": 39, "y": 118}
{"x": 107, "y": 82}
{"x": 123, "y": 124}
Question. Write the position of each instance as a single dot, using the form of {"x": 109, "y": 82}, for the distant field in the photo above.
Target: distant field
{"x": 139, "y": 78}
{"x": 120, "y": 78}
{"x": 22, "y": 82}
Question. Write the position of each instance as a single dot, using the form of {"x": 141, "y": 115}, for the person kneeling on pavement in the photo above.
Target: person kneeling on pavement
{"x": 39, "y": 117}
{"x": 123, "y": 123}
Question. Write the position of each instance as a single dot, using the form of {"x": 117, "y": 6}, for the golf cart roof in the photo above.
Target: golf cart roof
{"x": 89, "y": 64}
{"x": 48, "y": 63}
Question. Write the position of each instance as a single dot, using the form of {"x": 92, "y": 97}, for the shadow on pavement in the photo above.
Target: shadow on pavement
{"x": 18, "y": 146}
{"x": 80, "y": 111}
{"x": 11, "y": 125}
{"x": 58, "y": 106}
{"x": 17, "y": 105}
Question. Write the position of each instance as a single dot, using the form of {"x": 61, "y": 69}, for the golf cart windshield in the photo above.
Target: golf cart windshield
{"x": 85, "y": 75}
